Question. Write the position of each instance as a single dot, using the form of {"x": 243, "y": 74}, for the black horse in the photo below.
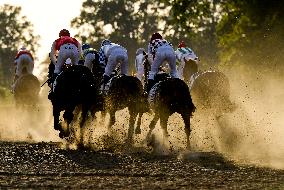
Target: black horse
{"x": 74, "y": 87}
{"x": 167, "y": 96}
{"x": 209, "y": 89}
{"x": 26, "y": 90}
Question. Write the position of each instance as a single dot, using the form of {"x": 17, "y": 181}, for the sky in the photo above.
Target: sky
{"x": 48, "y": 18}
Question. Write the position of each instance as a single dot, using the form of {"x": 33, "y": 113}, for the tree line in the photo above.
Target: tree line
{"x": 221, "y": 32}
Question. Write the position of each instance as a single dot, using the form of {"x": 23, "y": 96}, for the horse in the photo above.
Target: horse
{"x": 167, "y": 96}
{"x": 123, "y": 92}
{"x": 26, "y": 90}
{"x": 210, "y": 89}
{"x": 73, "y": 87}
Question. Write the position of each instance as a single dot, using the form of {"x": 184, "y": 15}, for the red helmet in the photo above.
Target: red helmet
{"x": 64, "y": 32}
{"x": 155, "y": 36}
{"x": 181, "y": 44}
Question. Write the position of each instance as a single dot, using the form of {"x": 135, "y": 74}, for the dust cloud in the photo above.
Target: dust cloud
{"x": 33, "y": 124}
{"x": 252, "y": 134}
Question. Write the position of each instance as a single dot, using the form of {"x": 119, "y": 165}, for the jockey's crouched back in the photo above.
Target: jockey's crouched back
{"x": 111, "y": 55}
{"x": 24, "y": 64}
{"x": 159, "y": 51}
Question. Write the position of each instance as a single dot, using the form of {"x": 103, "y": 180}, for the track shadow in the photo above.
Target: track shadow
{"x": 93, "y": 159}
{"x": 210, "y": 160}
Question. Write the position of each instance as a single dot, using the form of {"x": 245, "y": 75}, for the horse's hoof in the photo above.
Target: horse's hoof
{"x": 81, "y": 146}
{"x": 61, "y": 135}
{"x": 138, "y": 130}
{"x": 149, "y": 141}
{"x": 57, "y": 127}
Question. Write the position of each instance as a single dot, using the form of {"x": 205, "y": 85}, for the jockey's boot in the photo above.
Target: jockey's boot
{"x": 150, "y": 84}
{"x": 50, "y": 84}
{"x": 106, "y": 78}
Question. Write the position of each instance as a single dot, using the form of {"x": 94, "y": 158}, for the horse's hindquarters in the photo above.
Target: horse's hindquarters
{"x": 27, "y": 90}
{"x": 125, "y": 91}
{"x": 211, "y": 90}
{"x": 171, "y": 95}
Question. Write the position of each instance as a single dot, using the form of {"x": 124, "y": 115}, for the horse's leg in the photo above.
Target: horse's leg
{"x": 103, "y": 116}
{"x": 152, "y": 126}
{"x": 133, "y": 115}
{"x": 139, "y": 121}
{"x": 68, "y": 117}
{"x": 111, "y": 119}
{"x": 164, "y": 121}
{"x": 85, "y": 109}
{"x": 186, "y": 119}
{"x": 56, "y": 114}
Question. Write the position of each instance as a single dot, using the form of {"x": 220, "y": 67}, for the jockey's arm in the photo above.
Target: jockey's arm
{"x": 178, "y": 55}
{"x": 53, "y": 53}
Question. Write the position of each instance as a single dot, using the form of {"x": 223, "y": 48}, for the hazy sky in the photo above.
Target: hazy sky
{"x": 48, "y": 18}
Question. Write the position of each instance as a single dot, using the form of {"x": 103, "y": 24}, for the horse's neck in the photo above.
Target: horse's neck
{"x": 191, "y": 73}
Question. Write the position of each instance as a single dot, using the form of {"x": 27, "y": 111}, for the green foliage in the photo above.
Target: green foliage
{"x": 231, "y": 31}
{"x": 219, "y": 31}
{"x": 194, "y": 21}
{"x": 251, "y": 32}
{"x": 130, "y": 22}
{"x": 15, "y": 31}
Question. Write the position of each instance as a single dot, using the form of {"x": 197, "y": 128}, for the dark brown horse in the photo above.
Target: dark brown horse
{"x": 123, "y": 92}
{"x": 167, "y": 96}
{"x": 26, "y": 90}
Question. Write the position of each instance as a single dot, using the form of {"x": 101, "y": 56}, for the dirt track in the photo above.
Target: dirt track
{"x": 45, "y": 165}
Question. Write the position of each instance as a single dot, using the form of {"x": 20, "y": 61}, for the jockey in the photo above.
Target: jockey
{"x": 23, "y": 59}
{"x": 160, "y": 50}
{"x": 139, "y": 63}
{"x": 111, "y": 55}
{"x": 64, "y": 47}
{"x": 184, "y": 54}
{"x": 89, "y": 55}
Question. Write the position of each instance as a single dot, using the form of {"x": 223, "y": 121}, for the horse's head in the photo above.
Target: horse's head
{"x": 190, "y": 68}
